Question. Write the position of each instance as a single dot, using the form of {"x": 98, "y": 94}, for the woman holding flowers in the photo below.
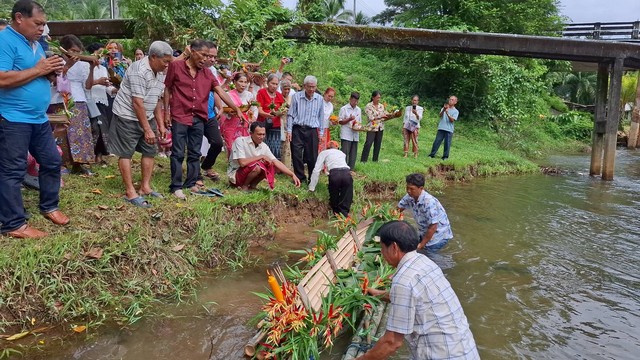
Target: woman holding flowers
{"x": 234, "y": 125}
{"x": 376, "y": 114}
{"x": 78, "y": 144}
{"x": 327, "y": 99}
{"x": 270, "y": 112}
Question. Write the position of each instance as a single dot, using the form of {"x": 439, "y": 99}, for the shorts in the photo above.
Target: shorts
{"x": 126, "y": 137}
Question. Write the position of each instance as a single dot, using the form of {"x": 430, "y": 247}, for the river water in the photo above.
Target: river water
{"x": 546, "y": 267}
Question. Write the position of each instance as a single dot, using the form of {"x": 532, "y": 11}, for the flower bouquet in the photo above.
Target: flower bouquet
{"x": 333, "y": 120}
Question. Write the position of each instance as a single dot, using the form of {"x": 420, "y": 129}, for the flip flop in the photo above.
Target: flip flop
{"x": 215, "y": 192}
{"x": 139, "y": 202}
{"x": 154, "y": 194}
{"x": 202, "y": 193}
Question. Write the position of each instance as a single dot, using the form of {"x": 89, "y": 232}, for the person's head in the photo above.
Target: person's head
{"x": 285, "y": 87}
{"x": 213, "y": 53}
{"x": 138, "y": 54}
{"x": 258, "y": 131}
{"x": 415, "y": 99}
{"x": 240, "y": 81}
{"x": 415, "y": 185}
{"x": 329, "y": 94}
{"x": 28, "y": 19}
{"x": 375, "y": 97}
{"x": 453, "y": 100}
{"x": 114, "y": 47}
{"x": 333, "y": 145}
{"x": 3, "y": 24}
{"x": 287, "y": 76}
{"x": 95, "y": 48}
{"x": 272, "y": 83}
{"x": 160, "y": 55}
{"x": 354, "y": 98}
{"x": 71, "y": 43}
{"x": 199, "y": 54}
{"x": 310, "y": 85}
{"x": 396, "y": 239}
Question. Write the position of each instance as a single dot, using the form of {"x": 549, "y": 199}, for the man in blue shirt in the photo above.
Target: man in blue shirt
{"x": 24, "y": 127}
{"x": 433, "y": 223}
{"x": 448, "y": 115}
{"x": 305, "y": 126}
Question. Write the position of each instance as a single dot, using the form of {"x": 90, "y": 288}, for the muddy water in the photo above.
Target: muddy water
{"x": 546, "y": 267}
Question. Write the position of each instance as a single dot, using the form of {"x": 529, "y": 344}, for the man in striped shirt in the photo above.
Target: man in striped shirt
{"x": 424, "y": 310}
{"x": 304, "y": 126}
{"x": 138, "y": 119}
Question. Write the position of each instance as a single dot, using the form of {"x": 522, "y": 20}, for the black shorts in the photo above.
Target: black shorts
{"x": 127, "y": 137}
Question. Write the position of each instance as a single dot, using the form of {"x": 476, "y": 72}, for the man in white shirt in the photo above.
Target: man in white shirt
{"x": 350, "y": 117}
{"x": 340, "y": 180}
{"x": 251, "y": 161}
{"x": 411, "y": 125}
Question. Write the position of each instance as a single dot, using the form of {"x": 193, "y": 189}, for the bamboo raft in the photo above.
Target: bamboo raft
{"x": 315, "y": 284}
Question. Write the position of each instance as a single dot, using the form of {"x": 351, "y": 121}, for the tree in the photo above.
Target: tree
{"x": 578, "y": 87}
{"x": 94, "y": 9}
{"x": 362, "y": 19}
{"x": 334, "y": 12}
{"x": 515, "y": 17}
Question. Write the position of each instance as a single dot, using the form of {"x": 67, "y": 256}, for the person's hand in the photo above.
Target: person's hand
{"x": 415, "y": 112}
{"x": 149, "y": 136}
{"x": 167, "y": 118}
{"x": 237, "y": 110}
{"x": 296, "y": 181}
{"x": 376, "y": 292}
{"x": 103, "y": 81}
{"x": 162, "y": 132}
{"x": 114, "y": 90}
{"x": 265, "y": 159}
{"x": 49, "y": 65}
{"x": 288, "y": 137}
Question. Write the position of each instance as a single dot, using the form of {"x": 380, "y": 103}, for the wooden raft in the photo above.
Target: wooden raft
{"x": 315, "y": 285}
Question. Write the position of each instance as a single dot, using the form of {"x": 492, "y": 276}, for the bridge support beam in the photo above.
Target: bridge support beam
{"x": 635, "y": 119}
{"x": 600, "y": 120}
{"x": 607, "y": 116}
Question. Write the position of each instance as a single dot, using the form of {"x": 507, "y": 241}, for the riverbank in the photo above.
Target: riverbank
{"x": 115, "y": 260}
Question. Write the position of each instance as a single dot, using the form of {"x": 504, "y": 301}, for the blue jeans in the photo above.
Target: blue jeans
{"x": 442, "y": 135}
{"x": 16, "y": 139}
{"x": 186, "y": 139}
{"x": 437, "y": 246}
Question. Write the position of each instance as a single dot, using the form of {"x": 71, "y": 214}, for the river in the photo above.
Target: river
{"x": 546, "y": 267}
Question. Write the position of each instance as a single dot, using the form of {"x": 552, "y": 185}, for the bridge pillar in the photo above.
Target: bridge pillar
{"x": 613, "y": 117}
{"x": 600, "y": 120}
{"x": 635, "y": 119}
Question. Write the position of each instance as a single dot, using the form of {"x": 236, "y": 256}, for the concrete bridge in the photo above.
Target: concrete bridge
{"x": 608, "y": 58}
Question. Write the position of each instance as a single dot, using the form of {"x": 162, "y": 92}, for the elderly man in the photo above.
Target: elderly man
{"x": 138, "y": 119}
{"x": 350, "y": 118}
{"x": 24, "y": 126}
{"x": 340, "y": 180}
{"x": 304, "y": 126}
{"x": 251, "y": 161}
{"x": 448, "y": 115}
{"x": 187, "y": 87}
{"x": 424, "y": 309}
{"x": 435, "y": 230}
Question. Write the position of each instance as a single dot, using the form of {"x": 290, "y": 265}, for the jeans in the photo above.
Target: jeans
{"x": 15, "y": 140}
{"x": 442, "y": 135}
{"x": 212, "y": 133}
{"x": 350, "y": 148}
{"x": 185, "y": 139}
{"x": 375, "y": 138}
{"x": 304, "y": 150}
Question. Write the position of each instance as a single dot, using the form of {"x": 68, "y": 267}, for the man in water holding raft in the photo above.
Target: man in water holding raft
{"x": 424, "y": 310}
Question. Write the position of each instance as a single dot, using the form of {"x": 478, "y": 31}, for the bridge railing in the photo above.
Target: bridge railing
{"x": 618, "y": 31}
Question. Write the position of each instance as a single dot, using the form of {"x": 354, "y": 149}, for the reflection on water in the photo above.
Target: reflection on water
{"x": 545, "y": 267}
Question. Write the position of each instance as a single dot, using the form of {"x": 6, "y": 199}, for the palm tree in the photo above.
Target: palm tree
{"x": 578, "y": 87}
{"x": 94, "y": 9}
{"x": 335, "y": 13}
{"x": 362, "y": 19}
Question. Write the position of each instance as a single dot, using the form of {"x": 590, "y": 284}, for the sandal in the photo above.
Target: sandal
{"x": 138, "y": 201}
{"x": 154, "y": 194}
{"x": 213, "y": 176}
{"x": 202, "y": 193}
{"x": 215, "y": 192}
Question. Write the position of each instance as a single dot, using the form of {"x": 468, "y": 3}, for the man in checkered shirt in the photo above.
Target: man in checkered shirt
{"x": 424, "y": 310}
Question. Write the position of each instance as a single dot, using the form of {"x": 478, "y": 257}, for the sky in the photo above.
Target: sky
{"x": 575, "y": 10}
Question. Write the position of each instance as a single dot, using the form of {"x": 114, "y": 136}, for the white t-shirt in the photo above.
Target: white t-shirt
{"x": 333, "y": 158}
{"x": 243, "y": 148}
